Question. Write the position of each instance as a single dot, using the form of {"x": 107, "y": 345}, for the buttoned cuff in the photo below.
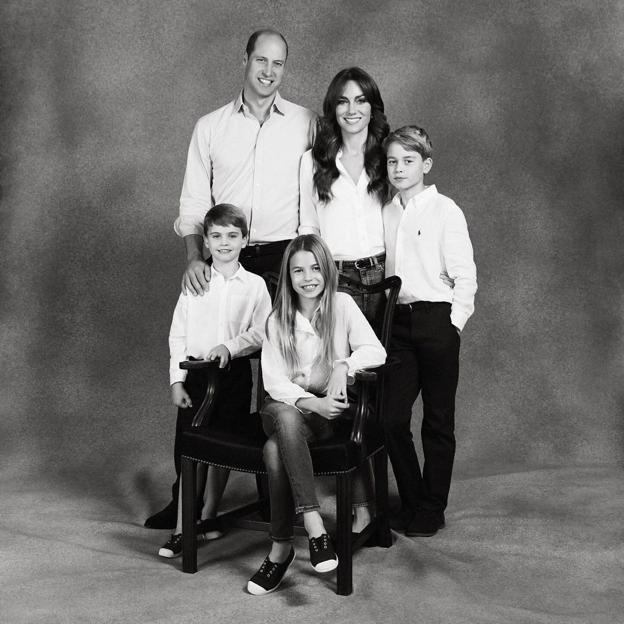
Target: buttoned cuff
{"x": 177, "y": 375}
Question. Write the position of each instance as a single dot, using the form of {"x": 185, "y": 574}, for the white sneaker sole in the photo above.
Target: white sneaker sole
{"x": 326, "y": 566}
{"x": 169, "y": 554}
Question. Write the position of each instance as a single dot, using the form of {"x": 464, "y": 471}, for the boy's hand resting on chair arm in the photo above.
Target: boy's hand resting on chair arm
{"x": 221, "y": 353}
{"x": 180, "y": 396}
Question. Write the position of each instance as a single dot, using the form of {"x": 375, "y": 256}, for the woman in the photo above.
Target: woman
{"x": 343, "y": 182}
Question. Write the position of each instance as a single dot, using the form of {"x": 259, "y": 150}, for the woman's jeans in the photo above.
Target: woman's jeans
{"x": 288, "y": 462}
{"x": 372, "y": 305}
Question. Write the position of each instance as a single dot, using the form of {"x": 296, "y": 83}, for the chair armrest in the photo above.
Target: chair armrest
{"x": 364, "y": 378}
{"x": 372, "y": 374}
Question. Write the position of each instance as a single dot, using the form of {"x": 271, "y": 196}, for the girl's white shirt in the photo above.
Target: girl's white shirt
{"x": 355, "y": 343}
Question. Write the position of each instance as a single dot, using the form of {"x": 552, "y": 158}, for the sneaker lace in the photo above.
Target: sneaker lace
{"x": 268, "y": 567}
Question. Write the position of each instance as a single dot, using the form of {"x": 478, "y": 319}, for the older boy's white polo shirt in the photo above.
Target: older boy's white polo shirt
{"x": 233, "y": 159}
{"x": 233, "y": 312}
{"x": 426, "y": 238}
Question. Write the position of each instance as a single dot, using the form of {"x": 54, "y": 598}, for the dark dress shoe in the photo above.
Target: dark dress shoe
{"x": 165, "y": 519}
{"x": 425, "y": 523}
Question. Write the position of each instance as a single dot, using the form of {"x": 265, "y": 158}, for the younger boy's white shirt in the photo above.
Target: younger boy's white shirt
{"x": 233, "y": 312}
{"x": 355, "y": 343}
{"x": 350, "y": 223}
{"x": 426, "y": 238}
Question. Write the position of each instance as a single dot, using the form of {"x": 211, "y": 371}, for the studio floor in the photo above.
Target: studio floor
{"x": 526, "y": 546}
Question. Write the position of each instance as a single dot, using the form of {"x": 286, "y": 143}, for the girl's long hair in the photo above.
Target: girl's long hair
{"x": 285, "y": 304}
{"x": 329, "y": 136}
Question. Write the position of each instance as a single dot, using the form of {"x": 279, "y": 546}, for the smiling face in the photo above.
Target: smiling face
{"x": 406, "y": 170}
{"x": 305, "y": 275}
{"x": 264, "y": 67}
{"x": 224, "y": 243}
{"x": 353, "y": 111}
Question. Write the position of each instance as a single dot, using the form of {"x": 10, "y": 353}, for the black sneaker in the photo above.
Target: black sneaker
{"x": 269, "y": 576}
{"x": 209, "y": 529}
{"x": 173, "y": 548}
{"x": 425, "y": 523}
{"x": 322, "y": 554}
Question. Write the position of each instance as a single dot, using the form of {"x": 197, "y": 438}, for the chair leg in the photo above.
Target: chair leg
{"x": 262, "y": 485}
{"x": 383, "y": 536}
{"x": 344, "y": 548}
{"x": 189, "y": 529}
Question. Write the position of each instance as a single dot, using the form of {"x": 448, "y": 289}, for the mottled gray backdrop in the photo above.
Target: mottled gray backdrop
{"x": 523, "y": 101}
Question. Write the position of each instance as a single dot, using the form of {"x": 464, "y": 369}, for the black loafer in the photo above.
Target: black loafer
{"x": 165, "y": 519}
{"x": 425, "y": 523}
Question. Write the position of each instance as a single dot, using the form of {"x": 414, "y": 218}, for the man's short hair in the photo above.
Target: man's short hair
{"x": 226, "y": 214}
{"x": 412, "y": 139}
{"x": 251, "y": 43}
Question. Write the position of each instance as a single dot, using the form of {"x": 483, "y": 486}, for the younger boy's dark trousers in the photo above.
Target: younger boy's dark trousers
{"x": 232, "y": 408}
{"x": 427, "y": 345}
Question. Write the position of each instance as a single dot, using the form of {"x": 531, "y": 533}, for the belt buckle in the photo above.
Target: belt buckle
{"x": 356, "y": 264}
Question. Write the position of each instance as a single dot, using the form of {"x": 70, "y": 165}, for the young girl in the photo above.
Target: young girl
{"x": 316, "y": 339}
{"x": 343, "y": 183}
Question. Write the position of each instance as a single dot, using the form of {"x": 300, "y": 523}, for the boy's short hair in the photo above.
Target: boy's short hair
{"x": 226, "y": 214}
{"x": 411, "y": 138}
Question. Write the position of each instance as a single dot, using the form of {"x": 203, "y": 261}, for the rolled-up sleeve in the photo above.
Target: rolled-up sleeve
{"x": 196, "y": 197}
{"x": 308, "y": 217}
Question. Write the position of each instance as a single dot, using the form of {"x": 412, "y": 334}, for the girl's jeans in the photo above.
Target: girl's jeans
{"x": 288, "y": 462}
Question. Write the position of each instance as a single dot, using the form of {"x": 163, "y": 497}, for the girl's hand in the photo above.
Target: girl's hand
{"x": 180, "y": 396}
{"x": 337, "y": 385}
{"x": 330, "y": 407}
{"x": 221, "y": 353}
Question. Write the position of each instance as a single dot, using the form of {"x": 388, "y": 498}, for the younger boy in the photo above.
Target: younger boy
{"x": 225, "y": 323}
{"x": 427, "y": 242}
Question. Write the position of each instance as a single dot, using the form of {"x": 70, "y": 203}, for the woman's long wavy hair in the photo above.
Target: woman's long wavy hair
{"x": 286, "y": 304}
{"x": 329, "y": 136}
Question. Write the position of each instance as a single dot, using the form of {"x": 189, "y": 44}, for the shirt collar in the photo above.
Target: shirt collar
{"x": 303, "y": 325}
{"x": 278, "y": 106}
{"x": 241, "y": 274}
{"x": 429, "y": 192}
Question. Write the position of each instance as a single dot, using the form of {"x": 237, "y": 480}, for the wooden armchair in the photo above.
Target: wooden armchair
{"x": 353, "y": 444}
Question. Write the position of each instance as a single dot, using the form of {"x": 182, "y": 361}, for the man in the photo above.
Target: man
{"x": 246, "y": 153}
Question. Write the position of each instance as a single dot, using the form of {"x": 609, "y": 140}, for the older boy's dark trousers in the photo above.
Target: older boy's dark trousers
{"x": 427, "y": 346}
{"x": 233, "y": 406}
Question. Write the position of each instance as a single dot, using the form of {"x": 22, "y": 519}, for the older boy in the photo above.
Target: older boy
{"x": 426, "y": 241}
{"x": 224, "y": 324}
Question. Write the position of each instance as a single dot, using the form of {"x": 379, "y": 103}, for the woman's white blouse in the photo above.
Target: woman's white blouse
{"x": 355, "y": 343}
{"x": 350, "y": 223}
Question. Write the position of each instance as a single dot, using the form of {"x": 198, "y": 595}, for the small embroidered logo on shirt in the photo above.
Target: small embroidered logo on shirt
{"x": 418, "y": 232}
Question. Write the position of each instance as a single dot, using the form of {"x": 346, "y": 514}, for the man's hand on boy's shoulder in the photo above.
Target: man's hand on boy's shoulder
{"x": 221, "y": 353}
{"x": 196, "y": 278}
